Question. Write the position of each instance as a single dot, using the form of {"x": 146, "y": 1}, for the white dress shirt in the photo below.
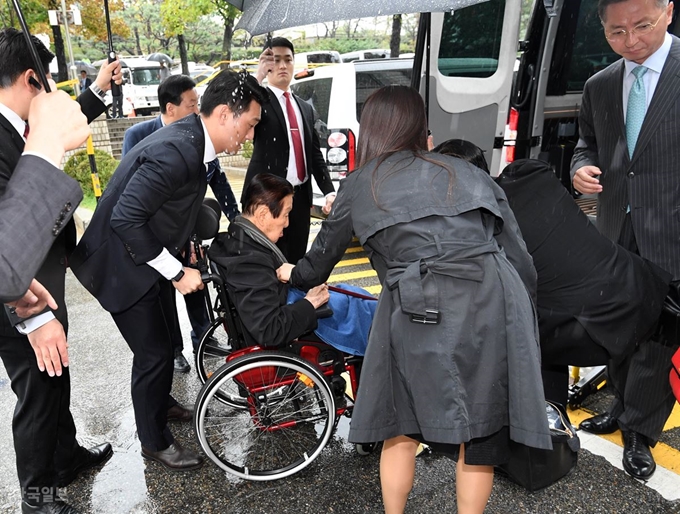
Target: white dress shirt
{"x": 291, "y": 172}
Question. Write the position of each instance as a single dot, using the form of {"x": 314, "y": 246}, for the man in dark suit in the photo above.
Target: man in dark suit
{"x": 48, "y": 455}
{"x": 178, "y": 98}
{"x": 85, "y": 81}
{"x": 288, "y": 146}
{"x": 129, "y": 257}
{"x": 628, "y": 154}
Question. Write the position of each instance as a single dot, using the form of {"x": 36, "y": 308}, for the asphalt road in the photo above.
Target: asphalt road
{"x": 339, "y": 481}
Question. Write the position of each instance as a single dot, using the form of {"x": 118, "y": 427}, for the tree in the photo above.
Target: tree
{"x": 395, "y": 40}
{"x": 228, "y": 13}
{"x": 176, "y": 14}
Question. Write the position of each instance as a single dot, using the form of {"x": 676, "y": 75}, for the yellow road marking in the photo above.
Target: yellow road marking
{"x": 355, "y": 249}
{"x": 351, "y": 262}
{"x": 673, "y": 419}
{"x": 664, "y": 455}
{"x": 342, "y": 277}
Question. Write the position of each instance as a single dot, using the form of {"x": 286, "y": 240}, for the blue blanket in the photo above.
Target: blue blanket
{"x": 347, "y": 330}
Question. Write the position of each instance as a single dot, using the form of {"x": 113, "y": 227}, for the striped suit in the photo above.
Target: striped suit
{"x": 649, "y": 183}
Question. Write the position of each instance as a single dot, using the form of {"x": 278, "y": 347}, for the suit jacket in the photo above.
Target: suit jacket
{"x": 137, "y": 132}
{"x": 29, "y": 228}
{"x": 249, "y": 271}
{"x": 271, "y": 150}
{"x": 151, "y": 203}
{"x": 649, "y": 181}
{"x": 52, "y": 271}
{"x": 614, "y": 294}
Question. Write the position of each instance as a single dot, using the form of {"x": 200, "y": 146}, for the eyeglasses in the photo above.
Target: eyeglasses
{"x": 619, "y": 35}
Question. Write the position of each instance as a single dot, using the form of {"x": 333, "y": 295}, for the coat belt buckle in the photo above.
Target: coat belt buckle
{"x": 431, "y": 317}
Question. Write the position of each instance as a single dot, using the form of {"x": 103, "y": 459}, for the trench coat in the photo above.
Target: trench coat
{"x": 453, "y": 351}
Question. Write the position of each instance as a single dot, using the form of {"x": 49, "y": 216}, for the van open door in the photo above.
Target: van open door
{"x": 472, "y": 56}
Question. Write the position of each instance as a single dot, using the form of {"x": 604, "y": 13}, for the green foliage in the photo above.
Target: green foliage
{"x": 247, "y": 149}
{"x": 78, "y": 167}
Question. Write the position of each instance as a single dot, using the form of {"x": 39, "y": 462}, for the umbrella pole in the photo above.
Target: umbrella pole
{"x": 31, "y": 47}
{"x": 427, "y": 66}
{"x": 115, "y": 88}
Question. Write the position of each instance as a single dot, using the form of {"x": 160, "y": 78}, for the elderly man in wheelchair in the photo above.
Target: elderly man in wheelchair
{"x": 272, "y": 407}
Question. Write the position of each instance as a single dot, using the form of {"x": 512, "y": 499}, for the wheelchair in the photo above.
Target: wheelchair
{"x": 266, "y": 413}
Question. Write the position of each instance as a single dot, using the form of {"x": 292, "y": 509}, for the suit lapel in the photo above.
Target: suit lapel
{"x": 615, "y": 96}
{"x": 275, "y": 106}
{"x": 16, "y": 138}
{"x": 307, "y": 120}
{"x": 665, "y": 94}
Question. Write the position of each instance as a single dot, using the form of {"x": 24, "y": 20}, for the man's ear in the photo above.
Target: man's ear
{"x": 261, "y": 212}
{"x": 170, "y": 109}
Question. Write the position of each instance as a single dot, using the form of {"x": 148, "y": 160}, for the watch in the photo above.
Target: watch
{"x": 97, "y": 90}
{"x": 179, "y": 276}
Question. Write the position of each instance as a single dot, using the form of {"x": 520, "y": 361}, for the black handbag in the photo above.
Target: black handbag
{"x": 535, "y": 469}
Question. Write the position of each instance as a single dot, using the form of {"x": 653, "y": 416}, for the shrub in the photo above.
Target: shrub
{"x": 247, "y": 149}
{"x": 78, "y": 167}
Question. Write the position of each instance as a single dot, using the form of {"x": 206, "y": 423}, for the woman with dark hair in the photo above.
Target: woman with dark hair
{"x": 452, "y": 357}
{"x": 248, "y": 258}
{"x": 465, "y": 150}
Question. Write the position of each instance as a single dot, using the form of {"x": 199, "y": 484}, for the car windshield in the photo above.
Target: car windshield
{"x": 146, "y": 77}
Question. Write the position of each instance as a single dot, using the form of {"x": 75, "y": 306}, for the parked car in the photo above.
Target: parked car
{"x": 379, "y": 53}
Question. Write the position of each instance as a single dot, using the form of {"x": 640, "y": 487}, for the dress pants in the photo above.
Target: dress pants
{"x": 643, "y": 396}
{"x": 293, "y": 244}
{"x": 42, "y": 426}
{"x": 145, "y": 328}
{"x": 198, "y": 315}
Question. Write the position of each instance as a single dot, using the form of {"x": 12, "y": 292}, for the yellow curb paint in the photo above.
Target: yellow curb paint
{"x": 351, "y": 262}
{"x": 343, "y": 277}
{"x": 664, "y": 455}
{"x": 355, "y": 249}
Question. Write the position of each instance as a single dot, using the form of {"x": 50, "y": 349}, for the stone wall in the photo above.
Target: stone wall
{"x": 107, "y": 135}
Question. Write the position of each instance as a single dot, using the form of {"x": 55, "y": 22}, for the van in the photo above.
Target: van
{"x": 379, "y": 53}
{"x": 317, "y": 57}
{"x": 141, "y": 79}
{"x": 478, "y": 92}
{"x": 337, "y": 94}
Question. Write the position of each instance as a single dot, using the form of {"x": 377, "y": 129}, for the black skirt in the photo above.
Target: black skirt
{"x": 492, "y": 450}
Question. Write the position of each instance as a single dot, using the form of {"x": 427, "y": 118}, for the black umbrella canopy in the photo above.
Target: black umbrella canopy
{"x": 261, "y": 16}
{"x": 160, "y": 57}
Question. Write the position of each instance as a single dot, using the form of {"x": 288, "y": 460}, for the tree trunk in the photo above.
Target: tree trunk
{"x": 395, "y": 40}
{"x": 183, "y": 54}
{"x": 137, "y": 40}
{"x": 226, "y": 41}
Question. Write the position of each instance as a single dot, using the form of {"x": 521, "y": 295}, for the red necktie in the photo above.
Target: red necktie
{"x": 26, "y": 130}
{"x": 297, "y": 140}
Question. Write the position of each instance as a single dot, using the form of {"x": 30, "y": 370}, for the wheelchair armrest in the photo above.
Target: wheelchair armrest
{"x": 324, "y": 311}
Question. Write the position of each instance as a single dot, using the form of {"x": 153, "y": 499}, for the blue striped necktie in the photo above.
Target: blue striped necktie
{"x": 637, "y": 107}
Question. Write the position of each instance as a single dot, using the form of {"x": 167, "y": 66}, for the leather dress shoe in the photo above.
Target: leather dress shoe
{"x": 58, "y": 507}
{"x": 174, "y": 458}
{"x": 180, "y": 413}
{"x": 600, "y": 424}
{"x": 88, "y": 459}
{"x": 181, "y": 364}
{"x": 637, "y": 457}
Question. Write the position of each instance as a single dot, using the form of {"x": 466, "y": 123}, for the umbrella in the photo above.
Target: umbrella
{"x": 260, "y": 16}
{"x": 87, "y": 67}
{"x": 160, "y": 57}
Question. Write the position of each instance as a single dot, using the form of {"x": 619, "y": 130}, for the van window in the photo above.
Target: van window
{"x": 148, "y": 77}
{"x": 317, "y": 93}
{"x": 471, "y": 40}
{"x": 369, "y": 81}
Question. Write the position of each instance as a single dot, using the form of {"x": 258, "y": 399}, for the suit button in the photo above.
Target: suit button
{"x": 67, "y": 207}
{"x": 631, "y": 174}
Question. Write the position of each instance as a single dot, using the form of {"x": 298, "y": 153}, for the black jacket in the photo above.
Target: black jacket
{"x": 151, "y": 203}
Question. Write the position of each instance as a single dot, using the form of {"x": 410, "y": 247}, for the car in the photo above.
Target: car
{"x": 379, "y": 53}
{"x": 337, "y": 94}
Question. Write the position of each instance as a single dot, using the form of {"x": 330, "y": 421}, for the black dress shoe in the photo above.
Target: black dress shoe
{"x": 180, "y": 413}
{"x": 175, "y": 458}
{"x": 637, "y": 457}
{"x": 86, "y": 460}
{"x": 58, "y": 507}
{"x": 181, "y": 364}
{"x": 600, "y": 424}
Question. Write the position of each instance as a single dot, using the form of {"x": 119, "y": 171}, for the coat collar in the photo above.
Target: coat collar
{"x": 16, "y": 138}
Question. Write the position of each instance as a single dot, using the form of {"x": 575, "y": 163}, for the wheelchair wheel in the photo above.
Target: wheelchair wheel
{"x": 212, "y": 350}
{"x": 280, "y": 417}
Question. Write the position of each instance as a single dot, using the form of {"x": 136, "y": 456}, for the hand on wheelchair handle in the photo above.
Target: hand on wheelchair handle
{"x": 191, "y": 282}
{"x": 284, "y": 271}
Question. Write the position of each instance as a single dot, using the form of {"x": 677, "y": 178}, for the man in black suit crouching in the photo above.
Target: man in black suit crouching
{"x": 128, "y": 257}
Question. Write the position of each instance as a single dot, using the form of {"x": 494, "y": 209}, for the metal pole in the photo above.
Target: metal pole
{"x": 72, "y": 68}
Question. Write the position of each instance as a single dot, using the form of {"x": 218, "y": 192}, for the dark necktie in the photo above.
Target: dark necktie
{"x": 26, "y": 131}
{"x": 297, "y": 140}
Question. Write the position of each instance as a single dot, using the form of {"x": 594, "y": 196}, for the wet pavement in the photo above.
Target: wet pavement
{"x": 339, "y": 481}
